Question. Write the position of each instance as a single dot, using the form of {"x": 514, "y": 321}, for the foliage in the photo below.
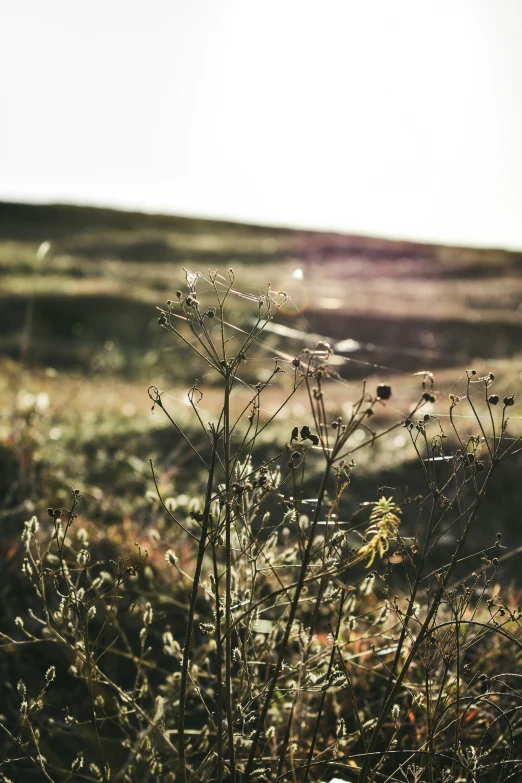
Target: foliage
{"x": 262, "y": 647}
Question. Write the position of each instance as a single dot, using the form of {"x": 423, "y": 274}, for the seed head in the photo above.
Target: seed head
{"x": 83, "y": 557}
{"x": 509, "y": 400}
{"x": 171, "y": 557}
{"x": 384, "y": 391}
{"x": 148, "y": 615}
{"x": 27, "y": 568}
{"x": 493, "y": 399}
{"x": 32, "y": 525}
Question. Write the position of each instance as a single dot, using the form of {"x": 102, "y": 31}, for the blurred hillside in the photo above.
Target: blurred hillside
{"x": 105, "y": 270}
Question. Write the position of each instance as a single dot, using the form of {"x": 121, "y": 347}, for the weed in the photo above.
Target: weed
{"x": 260, "y": 647}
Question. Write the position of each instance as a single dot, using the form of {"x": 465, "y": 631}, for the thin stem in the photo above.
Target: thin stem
{"x": 228, "y": 575}
{"x": 191, "y": 615}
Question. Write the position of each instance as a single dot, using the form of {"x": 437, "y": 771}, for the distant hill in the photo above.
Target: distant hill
{"x": 93, "y": 232}
{"x": 406, "y": 304}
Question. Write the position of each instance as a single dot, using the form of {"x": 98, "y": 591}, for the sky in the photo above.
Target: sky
{"x": 399, "y": 119}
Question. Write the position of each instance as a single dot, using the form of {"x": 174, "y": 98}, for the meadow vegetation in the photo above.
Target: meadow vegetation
{"x": 295, "y": 558}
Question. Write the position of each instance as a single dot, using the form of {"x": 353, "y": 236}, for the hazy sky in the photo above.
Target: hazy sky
{"x": 389, "y": 117}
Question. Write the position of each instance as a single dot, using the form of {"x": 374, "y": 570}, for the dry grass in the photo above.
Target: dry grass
{"x": 267, "y": 625}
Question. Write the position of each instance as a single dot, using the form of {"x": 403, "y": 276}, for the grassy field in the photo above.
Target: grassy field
{"x": 81, "y": 293}
{"x": 79, "y": 333}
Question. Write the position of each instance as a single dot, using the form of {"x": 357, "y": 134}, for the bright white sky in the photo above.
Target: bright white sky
{"x": 388, "y": 117}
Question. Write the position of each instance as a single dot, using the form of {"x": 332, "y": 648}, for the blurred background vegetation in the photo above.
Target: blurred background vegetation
{"x": 80, "y": 344}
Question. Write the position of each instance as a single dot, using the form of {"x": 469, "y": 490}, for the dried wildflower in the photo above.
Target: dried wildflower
{"x": 340, "y": 730}
{"x": 148, "y": 615}
{"x": 289, "y": 516}
{"x": 384, "y": 521}
{"x": 171, "y": 557}
{"x": 82, "y": 558}
{"x": 508, "y": 401}
{"x": 384, "y": 391}
{"x": 26, "y": 538}
{"x": 493, "y": 399}
{"x": 33, "y": 525}
{"x": 260, "y": 772}
{"x": 27, "y": 568}
{"x": 50, "y": 674}
{"x": 77, "y": 763}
